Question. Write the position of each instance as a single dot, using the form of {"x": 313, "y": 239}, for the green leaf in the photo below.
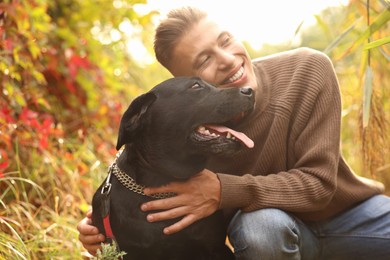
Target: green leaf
{"x": 34, "y": 49}
{"x": 20, "y": 99}
{"x": 44, "y": 103}
{"x": 379, "y": 22}
{"x": 16, "y": 54}
{"x": 387, "y": 56}
{"x": 16, "y": 76}
{"x": 338, "y": 39}
{"x": 322, "y": 24}
{"x": 298, "y": 29}
{"x": 377, "y": 43}
{"x": 367, "y": 95}
{"x": 9, "y": 88}
{"x": 39, "y": 77}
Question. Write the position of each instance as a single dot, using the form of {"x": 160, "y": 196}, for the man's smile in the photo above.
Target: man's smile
{"x": 236, "y": 76}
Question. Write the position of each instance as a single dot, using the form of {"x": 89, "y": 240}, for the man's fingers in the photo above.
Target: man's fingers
{"x": 168, "y": 214}
{"x": 85, "y": 227}
{"x": 164, "y": 204}
{"x": 89, "y": 214}
{"x": 180, "y": 225}
{"x": 92, "y": 243}
{"x": 89, "y": 235}
{"x": 91, "y": 240}
{"x": 196, "y": 198}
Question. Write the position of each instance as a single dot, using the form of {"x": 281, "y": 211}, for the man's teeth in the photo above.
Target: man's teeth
{"x": 204, "y": 131}
{"x": 236, "y": 76}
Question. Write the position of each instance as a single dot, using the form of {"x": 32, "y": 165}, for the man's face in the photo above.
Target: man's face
{"x": 214, "y": 55}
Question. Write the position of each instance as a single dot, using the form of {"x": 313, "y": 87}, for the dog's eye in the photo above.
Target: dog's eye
{"x": 196, "y": 86}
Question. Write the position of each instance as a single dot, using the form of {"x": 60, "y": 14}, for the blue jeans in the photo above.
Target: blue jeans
{"x": 362, "y": 232}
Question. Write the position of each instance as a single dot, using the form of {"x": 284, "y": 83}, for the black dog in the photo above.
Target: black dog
{"x": 169, "y": 133}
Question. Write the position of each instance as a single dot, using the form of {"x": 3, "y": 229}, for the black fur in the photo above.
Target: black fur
{"x": 158, "y": 130}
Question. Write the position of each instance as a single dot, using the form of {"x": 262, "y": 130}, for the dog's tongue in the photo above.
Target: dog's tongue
{"x": 240, "y": 136}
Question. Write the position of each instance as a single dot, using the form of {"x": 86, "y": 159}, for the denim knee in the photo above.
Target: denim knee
{"x": 264, "y": 234}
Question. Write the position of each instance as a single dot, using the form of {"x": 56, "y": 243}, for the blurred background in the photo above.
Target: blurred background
{"x": 69, "y": 69}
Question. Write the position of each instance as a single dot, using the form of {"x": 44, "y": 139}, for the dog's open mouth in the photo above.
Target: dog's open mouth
{"x": 218, "y": 131}
{"x": 219, "y": 138}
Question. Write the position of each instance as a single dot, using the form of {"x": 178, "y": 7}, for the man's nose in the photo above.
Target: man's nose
{"x": 225, "y": 59}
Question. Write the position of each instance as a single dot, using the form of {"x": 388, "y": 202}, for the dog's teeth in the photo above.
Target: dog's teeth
{"x": 201, "y": 128}
{"x": 234, "y": 138}
{"x": 207, "y": 132}
{"x": 228, "y": 135}
{"x": 214, "y": 135}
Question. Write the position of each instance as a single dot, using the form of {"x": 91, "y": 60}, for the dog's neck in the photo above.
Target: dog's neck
{"x": 144, "y": 172}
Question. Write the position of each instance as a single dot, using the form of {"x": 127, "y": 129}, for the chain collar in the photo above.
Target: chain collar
{"x": 130, "y": 183}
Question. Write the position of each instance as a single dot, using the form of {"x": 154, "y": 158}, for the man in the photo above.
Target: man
{"x": 292, "y": 196}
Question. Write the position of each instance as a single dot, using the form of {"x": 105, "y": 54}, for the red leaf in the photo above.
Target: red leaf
{"x": 5, "y": 113}
{"x": 28, "y": 117}
{"x": 43, "y": 142}
{"x": 80, "y": 62}
{"x": 84, "y": 41}
{"x": 75, "y": 63}
{"x": 8, "y": 45}
{"x": 69, "y": 85}
{"x": 47, "y": 123}
{"x": 4, "y": 162}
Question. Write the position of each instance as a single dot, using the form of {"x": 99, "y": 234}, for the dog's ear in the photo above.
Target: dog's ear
{"x": 131, "y": 121}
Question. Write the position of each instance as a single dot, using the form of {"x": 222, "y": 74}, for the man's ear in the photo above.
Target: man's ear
{"x": 131, "y": 122}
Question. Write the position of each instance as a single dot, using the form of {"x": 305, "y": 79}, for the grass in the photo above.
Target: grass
{"x": 36, "y": 225}
{"x": 42, "y": 202}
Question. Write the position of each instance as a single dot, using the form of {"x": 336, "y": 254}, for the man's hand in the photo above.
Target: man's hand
{"x": 89, "y": 235}
{"x": 196, "y": 198}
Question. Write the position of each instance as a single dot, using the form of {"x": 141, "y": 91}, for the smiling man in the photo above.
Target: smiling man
{"x": 292, "y": 196}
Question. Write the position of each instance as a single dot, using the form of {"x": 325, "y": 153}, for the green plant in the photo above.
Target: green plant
{"x": 109, "y": 252}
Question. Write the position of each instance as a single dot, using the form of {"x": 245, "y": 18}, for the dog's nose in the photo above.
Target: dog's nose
{"x": 246, "y": 91}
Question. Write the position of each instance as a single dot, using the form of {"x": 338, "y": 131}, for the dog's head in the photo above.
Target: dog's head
{"x": 180, "y": 122}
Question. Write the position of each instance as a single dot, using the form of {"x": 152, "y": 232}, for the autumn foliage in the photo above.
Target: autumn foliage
{"x": 67, "y": 73}
{"x": 60, "y": 106}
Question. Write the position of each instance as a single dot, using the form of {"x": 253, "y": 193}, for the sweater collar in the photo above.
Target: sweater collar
{"x": 262, "y": 91}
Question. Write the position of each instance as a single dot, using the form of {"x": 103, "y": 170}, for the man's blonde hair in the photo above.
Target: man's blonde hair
{"x": 170, "y": 30}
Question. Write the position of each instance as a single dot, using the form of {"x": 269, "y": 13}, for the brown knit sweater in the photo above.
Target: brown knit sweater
{"x": 296, "y": 164}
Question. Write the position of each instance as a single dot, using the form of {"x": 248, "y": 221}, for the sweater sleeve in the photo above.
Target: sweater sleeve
{"x": 311, "y": 118}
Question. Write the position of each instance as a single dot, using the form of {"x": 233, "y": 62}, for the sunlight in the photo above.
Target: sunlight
{"x": 257, "y": 22}
{"x": 266, "y": 22}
